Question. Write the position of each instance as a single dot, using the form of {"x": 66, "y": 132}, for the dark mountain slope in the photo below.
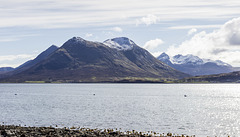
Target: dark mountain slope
{"x": 38, "y": 59}
{"x": 30, "y": 63}
{"x": 79, "y": 60}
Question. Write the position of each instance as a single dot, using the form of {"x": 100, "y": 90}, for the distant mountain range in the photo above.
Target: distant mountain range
{"x": 79, "y": 60}
{"x": 195, "y": 66}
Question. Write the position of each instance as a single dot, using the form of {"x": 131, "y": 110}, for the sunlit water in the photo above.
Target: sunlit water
{"x": 208, "y": 109}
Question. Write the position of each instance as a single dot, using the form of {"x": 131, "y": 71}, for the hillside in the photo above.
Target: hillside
{"x": 30, "y": 63}
{"x": 79, "y": 60}
{"x": 233, "y": 77}
{"x": 6, "y": 70}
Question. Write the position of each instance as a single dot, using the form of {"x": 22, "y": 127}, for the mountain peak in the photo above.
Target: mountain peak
{"x": 120, "y": 43}
{"x": 53, "y": 46}
{"x": 187, "y": 59}
{"x": 164, "y": 56}
{"x": 76, "y": 40}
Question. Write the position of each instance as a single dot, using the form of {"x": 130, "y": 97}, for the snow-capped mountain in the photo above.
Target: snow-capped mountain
{"x": 79, "y": 60}
{"x": 165, "y": 58}
{"x": 218, "y": 62}
{"x": 188, "y": 59}
{"x": 194, "y": 65}
{"x": 120, "y": 43}
{"x": 194, "y": 60}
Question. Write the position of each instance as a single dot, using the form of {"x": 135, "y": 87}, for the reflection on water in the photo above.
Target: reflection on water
{"x": 208, "y": 109}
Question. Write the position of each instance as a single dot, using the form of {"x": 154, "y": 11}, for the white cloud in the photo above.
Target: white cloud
{"x": 117, "y": 29}
{"x": 222, "y": 44}
{"x": 88, "y": 35}
{"x": 8, "y": 39}
{"x": 10, "y": 65}
{"x": 148, "y": 20}
{"x": 157, "y": 53}
{"x": 15, "y": 57}
{"x": 153, "y": 44}
{"x": 74, "y": 13}
{"x": 192, "y": 31}
{"x": 196, "y": 27}
{"x": 14, "y": 37}
{"x": 15, "y": 60}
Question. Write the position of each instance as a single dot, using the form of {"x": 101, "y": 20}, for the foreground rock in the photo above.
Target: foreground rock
{"x": 18, "y": 131}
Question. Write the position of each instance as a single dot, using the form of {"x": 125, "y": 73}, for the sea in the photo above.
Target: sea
{"x": 190, "y": 109}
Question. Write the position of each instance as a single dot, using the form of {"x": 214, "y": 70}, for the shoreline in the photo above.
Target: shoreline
{"x": 22, "y": 131}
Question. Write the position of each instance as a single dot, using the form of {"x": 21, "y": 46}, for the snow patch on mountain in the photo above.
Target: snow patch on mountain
{"x": 190, "y": 60}
{"x": 76, "y": 40}
{"x": 121, "y": 43}
{"x": 218, "y": 62}
{"x": 221, "y": 63}
{"x": 194, "y": 65}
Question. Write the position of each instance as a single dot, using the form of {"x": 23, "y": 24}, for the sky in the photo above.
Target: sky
{"x": 206, "y": 28}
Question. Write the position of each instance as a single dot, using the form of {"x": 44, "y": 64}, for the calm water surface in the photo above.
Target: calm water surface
{"x": 208, "y": 109}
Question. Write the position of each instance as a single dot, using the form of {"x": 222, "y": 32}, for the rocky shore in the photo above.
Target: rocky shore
{"x": 20, "y": 131}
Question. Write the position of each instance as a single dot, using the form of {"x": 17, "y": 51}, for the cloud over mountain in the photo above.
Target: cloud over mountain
{"x": 222, "y": 44}
{"x": 5, "y": 60}
{"x": 152, "y": 44}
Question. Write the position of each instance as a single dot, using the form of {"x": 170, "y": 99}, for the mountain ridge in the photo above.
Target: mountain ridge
{"x": 79, "y": 60}
{"x": 194, "y": 65}
{"x": 28, "y": 64}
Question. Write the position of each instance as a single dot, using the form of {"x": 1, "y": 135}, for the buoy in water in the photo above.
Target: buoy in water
{"x": 185, "y": 95}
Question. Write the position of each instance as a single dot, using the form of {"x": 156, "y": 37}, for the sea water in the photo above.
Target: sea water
{"x": 192, "y": 109}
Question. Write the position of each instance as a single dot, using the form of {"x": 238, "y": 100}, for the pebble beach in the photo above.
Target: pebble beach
{"x": 22, "y": 131}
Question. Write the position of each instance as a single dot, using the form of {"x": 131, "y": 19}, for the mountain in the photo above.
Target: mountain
{"x": 30, "y": 63}
{"x": 233, "y": 77}
{"x": 38, "y": 59}
{"x": 79, "y": 60}
{"x": 194, "y": 65}
{"x": 6, "y": 69}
